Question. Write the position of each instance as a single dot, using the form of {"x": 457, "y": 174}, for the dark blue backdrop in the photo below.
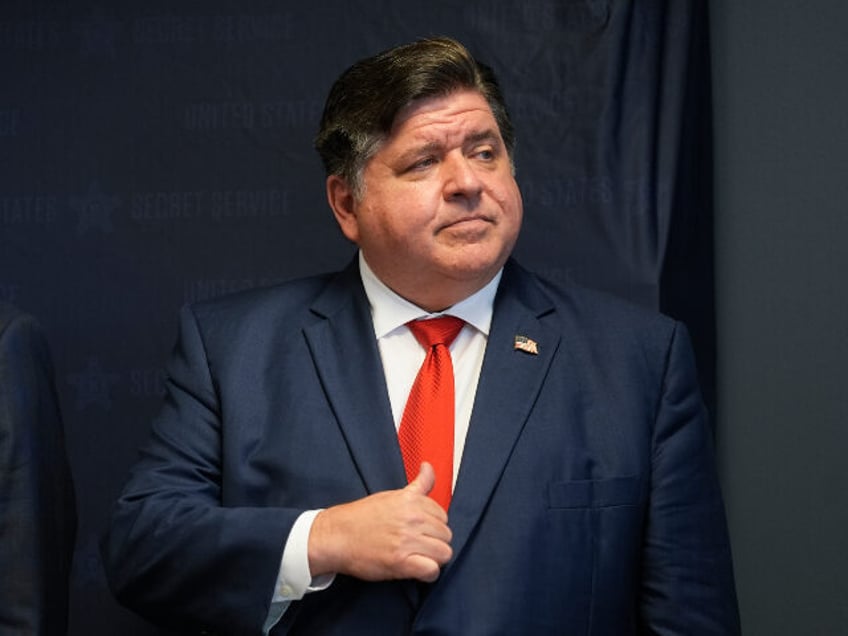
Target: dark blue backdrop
{"x": 157, "y": 153}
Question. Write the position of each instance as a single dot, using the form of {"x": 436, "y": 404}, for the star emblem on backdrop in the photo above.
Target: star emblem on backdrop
{"x": 94, "y": 209}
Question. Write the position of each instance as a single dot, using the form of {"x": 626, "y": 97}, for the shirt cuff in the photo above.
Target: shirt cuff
{"x": 294, "y": 579}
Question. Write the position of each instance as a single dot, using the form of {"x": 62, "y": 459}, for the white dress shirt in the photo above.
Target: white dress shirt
{"x": 402, "y": 356}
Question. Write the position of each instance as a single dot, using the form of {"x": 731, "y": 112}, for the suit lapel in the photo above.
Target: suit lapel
{"x": 509, "y": 382}
{"x": 345, "y": 354}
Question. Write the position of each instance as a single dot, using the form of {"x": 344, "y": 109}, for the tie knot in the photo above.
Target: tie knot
{"x": 441, "y": 330}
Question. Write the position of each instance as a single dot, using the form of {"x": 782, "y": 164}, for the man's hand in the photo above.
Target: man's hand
{"x": 396, "y": 534}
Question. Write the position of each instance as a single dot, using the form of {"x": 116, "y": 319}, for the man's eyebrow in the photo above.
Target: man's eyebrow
{"x": 425, "y": 148}
{"x": 490, "y": 134}
{"x": 428, "y": 147}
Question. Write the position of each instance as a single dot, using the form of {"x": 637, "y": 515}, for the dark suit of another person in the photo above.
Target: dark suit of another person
{"x": 37, "y": 514}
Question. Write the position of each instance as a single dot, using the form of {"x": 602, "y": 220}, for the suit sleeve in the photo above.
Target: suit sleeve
{"x": 687, "y": 584}
{"x": 174, "y": 552}
{"x": 37, "y": 513}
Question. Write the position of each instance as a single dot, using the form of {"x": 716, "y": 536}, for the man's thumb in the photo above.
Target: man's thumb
{"x": 424, "y": 481}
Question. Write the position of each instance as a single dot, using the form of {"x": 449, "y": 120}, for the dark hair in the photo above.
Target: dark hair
{"x": 366, "y": 98}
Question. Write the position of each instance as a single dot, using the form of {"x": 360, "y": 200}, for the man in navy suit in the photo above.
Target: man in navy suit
{"x": 273, "y": 497}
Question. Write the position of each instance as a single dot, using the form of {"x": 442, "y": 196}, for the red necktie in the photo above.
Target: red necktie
{"x": 426, "y": 429}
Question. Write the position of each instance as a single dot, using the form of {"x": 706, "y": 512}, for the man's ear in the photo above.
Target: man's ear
{"x": 341, "y": 200}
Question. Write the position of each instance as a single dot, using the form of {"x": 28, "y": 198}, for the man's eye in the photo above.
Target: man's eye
{"x": 486, "y": 154}
{"x": 421, "y": 164}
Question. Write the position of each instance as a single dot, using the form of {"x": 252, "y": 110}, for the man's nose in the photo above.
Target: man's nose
{"x": 461, "y": 179}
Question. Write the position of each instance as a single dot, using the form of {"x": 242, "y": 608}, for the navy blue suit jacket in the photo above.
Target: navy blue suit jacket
{"x": 586, "y": 503}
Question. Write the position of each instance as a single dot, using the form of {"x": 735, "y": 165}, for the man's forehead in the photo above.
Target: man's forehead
{"x": 443, "y": 109}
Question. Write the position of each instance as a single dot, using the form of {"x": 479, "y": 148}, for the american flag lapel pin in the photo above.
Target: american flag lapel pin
{"x": 523, "y": 343}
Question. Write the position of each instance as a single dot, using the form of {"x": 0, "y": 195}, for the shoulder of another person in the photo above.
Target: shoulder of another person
{"x": 18, "y": 326}
{"x": 9, "y": 314}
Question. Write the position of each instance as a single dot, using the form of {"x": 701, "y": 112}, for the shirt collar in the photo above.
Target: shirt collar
{"x": 389, "y": 311}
